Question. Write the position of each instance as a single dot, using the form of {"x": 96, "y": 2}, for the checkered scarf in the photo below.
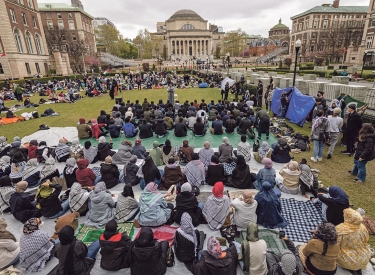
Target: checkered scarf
{"x": 125, "y": 208}
{"x": 5, "y": 193}
{"x": 77, "y": 197}
{"x": 205, "y": 156}
{"x": 62, "y": 150}
{"x": 216, "y": 210}
{"x": 288, "y": 262}
{"x": 4, "y": 162}
{"x": 244, "y": 150}
{"x": 194, "y": 172}
{"x": 187, "y": 229}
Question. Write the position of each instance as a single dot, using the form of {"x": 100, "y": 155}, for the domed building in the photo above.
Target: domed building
{"x": 278, "y": 31}
{"x": 187, "y": 36}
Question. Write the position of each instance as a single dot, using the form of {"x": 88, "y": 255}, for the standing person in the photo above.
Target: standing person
{"x": 335, "y": 125}
{"x": 365, "y": 152}
{"x": 19, "y": 93}
{"x": 320, "y": 134}
{"x": 260, "y": 93}
{"x": 263, "y": 123}
{"x": 226, "y": 91}
{"x": 353, "y": 126}
{"x": 268, "y": 98}
{"x": 171, "y": 91}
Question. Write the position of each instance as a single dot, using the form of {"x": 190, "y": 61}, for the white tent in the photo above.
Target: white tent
{"x": 225, "y": 81}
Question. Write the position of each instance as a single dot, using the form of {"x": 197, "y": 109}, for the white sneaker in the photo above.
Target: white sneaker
{"x": 320, "y": 159}
{"x": 313, "y": 159}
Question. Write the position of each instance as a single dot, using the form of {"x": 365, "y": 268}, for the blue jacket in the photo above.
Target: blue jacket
{"x": 33, "y": 180}
{"x": 129, "y": 129}
{"x": 114, "y": 130}
{"x": 218, "y": 127}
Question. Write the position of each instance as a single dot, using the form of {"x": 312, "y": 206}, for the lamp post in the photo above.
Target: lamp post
{"x": 364, "y": 60}
{"x": 228, "y": 60}
{"x": 297, "y": 48}
{"x": 300, "y": 59}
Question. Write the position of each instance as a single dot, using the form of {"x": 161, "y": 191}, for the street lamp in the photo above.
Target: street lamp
{"x": 300, "y": 59}
{"x": 364, "y": 60}
{"x": 297, "y": 47}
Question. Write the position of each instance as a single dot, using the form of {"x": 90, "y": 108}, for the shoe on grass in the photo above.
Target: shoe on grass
{"x": 320, "y": 159}
{"x": 358, "y": 180}
{"x": 313, "y": 159}
{"x": 350, "y": 172}
{"x": 329, "y": 156}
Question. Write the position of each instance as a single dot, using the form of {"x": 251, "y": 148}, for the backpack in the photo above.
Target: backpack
{"x": 42, "y": 101}
{"x": 9, "y": 114}
{"x": 302, "y": 142}
{"x": 48, "y": 112}
{"x": 35, "y": 114}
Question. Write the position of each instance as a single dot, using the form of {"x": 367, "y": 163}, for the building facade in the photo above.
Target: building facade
{"x": 263, "y": 47}
{"x": 326, "y": 30}
{"x": 278, "y": 31}
{"x": 186, "y": 36}
{"x": 22, "y": 40}
{"x": 100, "y": 21}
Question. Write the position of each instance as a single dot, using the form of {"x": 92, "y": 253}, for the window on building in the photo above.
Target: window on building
{"x": 300, "y": 26}
{"x": 313, "y": 35}
{"x": 336, "y": 17}
{"x": 373, "y": 23}
{"x": 342, "y": 23}
{"x": 357, "y": 23}
{"x": 335, "y": 24}
{"x": 351, "y": 16}
{"x": 74, "y": 37}
{"x": 30, "y": 3}
{"x": 71, "y": 25}
{"x": 18, "y": 39}
{"x": 48, "y": 15}
{"x": 344, "y": 16}
{"x": 311, "y": 48}
{"x": 29, "y": 43}
{"x": 326, "y": 17}
{"x": 315, "y": 24}
{"x": 325, "y": 24}
{"x": 23, "y": 15}
{"x": 37, "y": 68}
{"x": 349, "y": 23}
{"x": 34, "y": 22}
{"x": 38, "y": 44}
{"x": 59, "y": 15}
{"x": 307, "y": 24}
{"x": 61, "y": 25}
{"x": 70, "y": 16}
{"x": 187, "y": 27}
{"x": 1, "y": 69}
{"x": 13, "y": 16}
{"x": 50, "y": 25}
{"x": 27, "y": 65}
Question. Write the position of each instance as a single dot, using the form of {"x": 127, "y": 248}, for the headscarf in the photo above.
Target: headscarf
{"x": 293, "y": 166}
{"x": 108, "y": 160}
{"x": 326, "y": 232}
{"x": 4, "y": 233}
{"x": 215, "y": 160}
{"x": 288, "y": 263}
{"x": 186, "y": 187}
{"x": 82, "y": 121}
{"x": 90, "y": 152}
{"x": 31, "y": 226}
{"x": 133, "y": 159}
{"x": 66, "y": 237}
{"x": 76, "y": 147}
{"x": 6, "y": 181}
{"x": 252, "y": 233}
{"x": 34, "y": 142}
{"x": 70, "y": 164}
{"x": 77, "y": 197}
{"x": 146, "y": 238}
{"x": 127, "y": 205}
{"x": 17, "y": 158}
{"x": 149, "y": 197}
{"x": 195, "y": 171}
{"x": 100, "y": 187}
{"x": 102, "y": 140}
{"x": 155, "y": 144}
{"x": 4, "y": 162}
{"x": 48, "y": 168}
{"x": 225, "y": 140}
{"x": 149, "y": 169}
{"x": 167, "y": 147}
{"x": 3, "y": 143}
{"x": 110, "y": 229}
{"x": 338, "y": 195}
{"x": 264, "y": 149}
{"x": 337, "y": 102}
{"x": 248, "y": 196}
{"x": 30, "y": 169}
{"x": 307, "y": 176}
{"x": 352, "y": 222}
{"x": 43, "y": 192}
{"x": 205, "y": 156}
{"x": 218, "y": 190}
{"x": 94, "y": 122}
{"x": 152, "y": 187}
{"x": 214, "y": 249}
{"x": 138, "y": 142}
{"x": 62, "y": 149}
{"x": 128, "y": 191}
{"x": 21, "y": 186}
{"x": 267, "y": 163}
{"x": 318, "y": 122}
{"x": 241, "y": 163}
{"x": 187, "y": 229}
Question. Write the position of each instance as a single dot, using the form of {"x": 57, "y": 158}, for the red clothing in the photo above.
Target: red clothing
{"x": 96, "y": 130}
{"x": 32, "y": 152}
{"x": 85, "y": 176}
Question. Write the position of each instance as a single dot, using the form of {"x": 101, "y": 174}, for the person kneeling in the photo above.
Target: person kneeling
{"x": 199, "y": 129}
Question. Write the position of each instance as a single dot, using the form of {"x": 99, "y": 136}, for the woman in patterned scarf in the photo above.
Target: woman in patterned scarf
{"x": 264, "y": 152}
{"x": 4, "y": 146}
{"x": 127, "y": 206}
{"x": 78, "y": 199}
{"x": 76, "y": 149}
{"x": 194, "y": 171}
{"x": 49, "y": 170}
{"x": 36, "y": 248}
{"x": 62, "y": 150}
{"x": 31, "y": 174}
{"x": 4, "y": 166}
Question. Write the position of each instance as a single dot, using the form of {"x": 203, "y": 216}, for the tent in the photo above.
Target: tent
{"x": 300, "y": 105}
{"x": 225, "y": 81}
{"x": 350, "y": 100}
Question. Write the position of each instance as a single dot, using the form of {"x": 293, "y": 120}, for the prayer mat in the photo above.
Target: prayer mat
{"x": 271, "y": 237}
{"x": 302, "y": 217}
{"x": 163, "y": 233}
{"x": 97, "y": 173}
{"x": 88, "y": 235}
{"x": 12, "y": 120}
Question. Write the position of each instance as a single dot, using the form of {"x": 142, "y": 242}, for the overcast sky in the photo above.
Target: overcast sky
{"x": 254, "y": 17}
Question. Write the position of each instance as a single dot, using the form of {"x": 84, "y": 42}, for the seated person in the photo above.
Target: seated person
{"x": 49, "y": 170}
{"x": 353, "y": 240}
{"x": 21, "y": 206}
{"x": 17, "y": 167}
{"x": 160, "y": 128}
{"x": 31, "y": 173}
{"x": 230, "y": 125}
{"x": 280, "y": 153}
{"x": 156, "y": 154}
{"x": 74, "y": 256}
{"x": 225, "y": 151}
{"x": 269, "y": 207}
{"x": 216, "y": 208}
{"x": 124, "y": 153}
{"x": 85, "y": 176}
{"x": 263, "y": 152}
{"x": 267, "y": 173}
{"x": 129, "y": 129}
{"x": 185, "y": 153}
{"x": 118, "y": 120}
{"x": 187, "y": 240}
{"x": 148, "y": 254}
{"x": 191, "y": 121}
{"x": 10, "y": 248}
{"x": 194, "y": 171}
{"x": 90, "y": 152}
{"x": 167, "y": 152}
{"x": 154, "y": 210}
{"x": 84, "y": 130}
{"x": 96, "y": 129}
{"x": 114, "y": 130}
{"x": 215, "y": 172}
{"x": 320, "y": 254}
{"x": 61, "y": 98}
{"x": 139, "y": 150}
{"x": 6, "y": 190}
{"x": 47, "y": 200}
{"x": 127, "y": 206}
{"x": 32, "y": 151}
{"x": 214, "y": 261}
{"x": 172, "y": 175}
{"x": 145, "y": 130}
{"x": 109, "y": 172}
{"x": 241, "y": 177}
{"x": 243, "y": 149}
{"x": 104, "y": 148}
{"x": 244, "y": 126}
{"x": 290, "y": 178}
{"x": 33, "y": 258}
{"x": 217, "y": 126}
{"x": 199, "y": 128}
{"x": 307, "y": 180}
{"x": 114, "y": 247}
{"x": 62, "y": 151}
{"x": 79, "y": 199}
{"x": 102, "y": 205}
{"x": 186, "y": 202}
{"x": 76, "y": 149}
{"x": 130, "y": 171}
{"x": 254, "y": 251}
{"x": 169, "y": 122}
{"x": 244, "y": 209}
{"x": 180, "y": 129}
{"x": 5, "y": 167}
{"x": 148, "y": 172}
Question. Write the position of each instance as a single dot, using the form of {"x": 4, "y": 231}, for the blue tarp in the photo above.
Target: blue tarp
{"x": 300, "y": 105}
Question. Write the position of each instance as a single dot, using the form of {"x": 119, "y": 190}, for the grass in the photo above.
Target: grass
{"x": 333, "y": 172}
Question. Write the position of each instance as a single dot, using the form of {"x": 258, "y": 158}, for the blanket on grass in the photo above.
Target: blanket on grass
{"x": 163, "y": 233}
{"x": 12, "y": 120}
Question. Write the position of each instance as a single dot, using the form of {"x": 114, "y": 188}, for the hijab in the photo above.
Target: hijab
{"x": 100, "y": 187}
{"x": 5, "y": 181}
{"x": 214, "y": 249}
{"x": 248, "y": 196}
{"x": 252, "y": 233}
{"x": 76, "y": 147}
{"x": 267, "y": 163}
{"x": 110, "y": 229}
{"x": 70, "y": 165}
{"x": 31, "y": 226}
{"x": 66, "y": 237}
{"x": 146, "y": 238}
{"x": 187, "y": 229}
{"x": 48, "y": 168}
{"x": 352, "y": 222}
{"x": 264, "y": 149}
{"x": 3, "y": 143}
{"x": 149, "y": 169}
{"x": 133, "y": 159}
{"x": 152, "y": 187}
{"x": 30, "y": 169}
{"x": 218, "y": 190}
{"x": 225, "y": 141}
{"x": 167, "y": 147}
{"x": 4, "y": 233}
{"x": 4, "y": 162}
{"x": 128, "y": 191}
{"x": 288, "y": 263}
{"x": 90, "y": 152}
{"x": 186, "y": 187}
{"x": 241, "y": 163}
{"x": 102, "y": 140}
{"x": 338, "y": 195}
{"x": 43, "y": 192}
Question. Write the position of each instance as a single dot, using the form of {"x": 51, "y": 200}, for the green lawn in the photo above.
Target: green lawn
{"x": 333, "y": 172}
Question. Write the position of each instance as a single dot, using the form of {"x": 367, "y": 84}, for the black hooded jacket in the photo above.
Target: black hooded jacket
{"x": 114, "y": 251}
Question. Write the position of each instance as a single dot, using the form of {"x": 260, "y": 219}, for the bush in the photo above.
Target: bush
{"x": 369, "y": 68}
{"x": 330, "y": 67}
{"x": 252, "y": 89}
{"x": 288, "y": 61}
{"x": 319, "y": 61}
{"x": 343, "y": 67}
{"x": 310, "y": 65}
